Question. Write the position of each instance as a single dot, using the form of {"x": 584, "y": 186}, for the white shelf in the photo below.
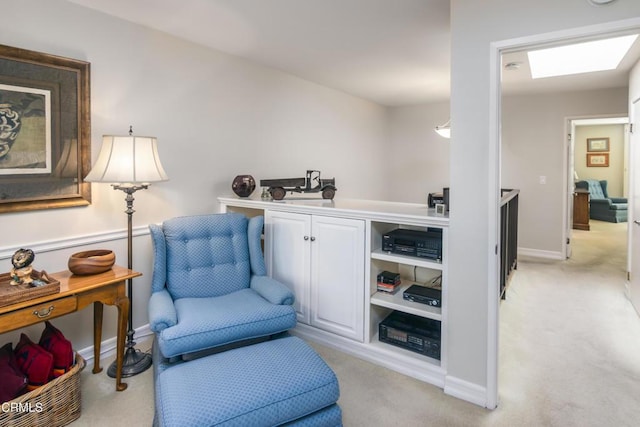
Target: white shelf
{"x": 396, "y": 302}
{"x": 392, "y": 349}
{"x": 374, "y": 210}
{"x": 406, "y": 259}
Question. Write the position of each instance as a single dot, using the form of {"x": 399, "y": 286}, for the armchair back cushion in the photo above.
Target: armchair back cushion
{"x": 207, "y": 256}
{"x": 597, "y": 189}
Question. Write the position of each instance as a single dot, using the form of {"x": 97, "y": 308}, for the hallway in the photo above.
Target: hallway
{"x": 570, "y": 339}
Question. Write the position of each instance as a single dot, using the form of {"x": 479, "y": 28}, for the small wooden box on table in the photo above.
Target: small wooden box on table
{"x": 77, "y": 292}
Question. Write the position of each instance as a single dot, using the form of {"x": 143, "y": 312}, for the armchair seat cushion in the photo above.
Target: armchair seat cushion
{"x": 210, "y": 322}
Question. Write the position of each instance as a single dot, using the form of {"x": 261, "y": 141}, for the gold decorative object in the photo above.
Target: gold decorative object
{"x": 91, "y": 262}
{"x": 21, "y": 271}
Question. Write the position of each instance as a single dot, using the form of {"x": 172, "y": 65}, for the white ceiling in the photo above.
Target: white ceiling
{"x": 392, "y": 52}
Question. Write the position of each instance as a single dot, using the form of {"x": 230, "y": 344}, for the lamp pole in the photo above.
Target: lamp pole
{"x": 134, "y": 361}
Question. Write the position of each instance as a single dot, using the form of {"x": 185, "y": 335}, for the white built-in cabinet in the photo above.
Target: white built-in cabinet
{"x": 321, "y": 258}
{"x": 330, "y": 252}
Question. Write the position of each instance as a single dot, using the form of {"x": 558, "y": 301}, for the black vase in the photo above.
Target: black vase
{"x": 243, "y": 185}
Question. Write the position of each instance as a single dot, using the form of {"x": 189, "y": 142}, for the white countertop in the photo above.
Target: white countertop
{"x": 355, "y": 208}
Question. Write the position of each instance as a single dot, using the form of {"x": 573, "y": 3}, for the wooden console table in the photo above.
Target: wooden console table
{"x": 76, "y": 292}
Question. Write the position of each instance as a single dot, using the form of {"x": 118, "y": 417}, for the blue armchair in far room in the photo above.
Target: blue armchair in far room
{"x": 209, "y": 287}
{"x": 601, "y": 206}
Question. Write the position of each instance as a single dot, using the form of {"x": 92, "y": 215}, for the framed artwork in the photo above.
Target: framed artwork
{"x": 45, "y": 147}
{"x": 598, "y": 160}
{"x": 597, "y": 144}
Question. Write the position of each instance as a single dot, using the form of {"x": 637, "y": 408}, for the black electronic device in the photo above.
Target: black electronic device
{"x": 422, "y": 244}
{"x": 423, "y": 295}
{"x": 435, "y": 198}
{"x": 445, "y": 197}
{"x": 411, "y": 332}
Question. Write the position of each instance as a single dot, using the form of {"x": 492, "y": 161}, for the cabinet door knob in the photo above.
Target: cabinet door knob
{"x": 313, "y": 239}
{"x": 306, "y": 237}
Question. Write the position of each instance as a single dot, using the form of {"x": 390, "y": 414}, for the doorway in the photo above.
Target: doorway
{"x": 612, "y": 133}
{"x": 498, "y": 111}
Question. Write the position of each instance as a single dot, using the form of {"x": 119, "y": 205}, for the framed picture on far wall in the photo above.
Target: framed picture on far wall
{"x": 598, "y": 160}
{"x": 597, "y": 144}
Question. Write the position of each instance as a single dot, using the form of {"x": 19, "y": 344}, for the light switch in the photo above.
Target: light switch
{"x": 543, "y": 179}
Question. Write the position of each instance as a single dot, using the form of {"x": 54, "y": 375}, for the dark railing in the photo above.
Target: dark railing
{"x": 508, "y": 237}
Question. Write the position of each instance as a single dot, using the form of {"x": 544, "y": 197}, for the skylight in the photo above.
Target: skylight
{"x": 598, "y": 55}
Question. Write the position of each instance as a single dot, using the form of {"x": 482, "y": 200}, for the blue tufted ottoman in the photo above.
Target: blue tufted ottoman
{"x": 282, "y": 381}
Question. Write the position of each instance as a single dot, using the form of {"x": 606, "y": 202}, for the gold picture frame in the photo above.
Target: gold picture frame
{"x": 45, "y": 120}
{"x": 597, "y": 144}
{"x": 598, "y": 160}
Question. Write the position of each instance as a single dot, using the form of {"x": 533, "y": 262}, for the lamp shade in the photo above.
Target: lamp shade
{"x": 128, "y": 160}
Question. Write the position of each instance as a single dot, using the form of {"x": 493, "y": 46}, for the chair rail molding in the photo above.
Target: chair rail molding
{"x": 52, "y": 245}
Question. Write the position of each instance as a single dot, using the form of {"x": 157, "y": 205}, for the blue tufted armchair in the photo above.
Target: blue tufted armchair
{"x": 601, "y": 206}
{"x": 209, "y": 286}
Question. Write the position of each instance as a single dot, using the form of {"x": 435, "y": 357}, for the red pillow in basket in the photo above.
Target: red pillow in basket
{"x": 34, "y": 361}
{"x": 55, "y": 343}
{"x": 12, "y": 380}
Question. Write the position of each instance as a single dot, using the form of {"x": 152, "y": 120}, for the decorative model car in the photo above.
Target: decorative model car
{"x": 312, "y": 183}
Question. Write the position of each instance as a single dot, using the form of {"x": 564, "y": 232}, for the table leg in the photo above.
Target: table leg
{"x": 97, "y": 335}
{"x": 123, "y": 310}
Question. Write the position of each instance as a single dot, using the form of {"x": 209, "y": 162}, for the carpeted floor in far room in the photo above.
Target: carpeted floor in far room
{"x": 569, "y": 356}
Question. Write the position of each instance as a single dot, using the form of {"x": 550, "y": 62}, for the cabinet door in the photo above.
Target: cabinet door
{"x": 337, "y": 275}
{"x": 287, "y": 255}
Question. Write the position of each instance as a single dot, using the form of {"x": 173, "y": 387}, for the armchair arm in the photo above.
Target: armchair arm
{"x": 162, "y": 313}
{"x": 618, "y": 199}
{"x": 600, "y": 202}
{"x": 272, "y": 290}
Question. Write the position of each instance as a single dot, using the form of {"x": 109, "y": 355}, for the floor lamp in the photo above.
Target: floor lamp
{"x": 129, "y": 163}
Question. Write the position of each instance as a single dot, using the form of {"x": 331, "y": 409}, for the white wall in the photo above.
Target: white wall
{"x": 215, "y": 116}
{"x": 634, "y": 84}
{"x": 472, "y": 297}
{"x": 634, "y": 193}
{"x": 418, "y": 158}
{"x": 533, "y": 140}
{"x": 614, "y": 173}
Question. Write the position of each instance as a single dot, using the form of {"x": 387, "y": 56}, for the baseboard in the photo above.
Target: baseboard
{"x": 537, "y": 253}
{"x": 465, "y": 390}
{"x": 108, "y": 347}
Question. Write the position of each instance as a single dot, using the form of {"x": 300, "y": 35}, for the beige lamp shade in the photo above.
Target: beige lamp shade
{"x": 128, "y": 160}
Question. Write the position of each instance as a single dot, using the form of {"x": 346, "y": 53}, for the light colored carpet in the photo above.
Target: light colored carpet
{"x": 569, "y": 356}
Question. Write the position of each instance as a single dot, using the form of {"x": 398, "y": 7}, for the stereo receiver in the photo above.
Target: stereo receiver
{"x": 411, "y": 332}
{"x": 423, "y": 295}
{"x": 422, "y": 244}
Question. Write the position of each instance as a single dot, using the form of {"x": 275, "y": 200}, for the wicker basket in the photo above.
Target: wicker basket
{"x": 57, "y": 403}
{"x": 11, "y": 294}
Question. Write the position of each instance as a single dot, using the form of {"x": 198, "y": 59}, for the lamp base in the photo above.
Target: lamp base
{"x": 134, "y": 363}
